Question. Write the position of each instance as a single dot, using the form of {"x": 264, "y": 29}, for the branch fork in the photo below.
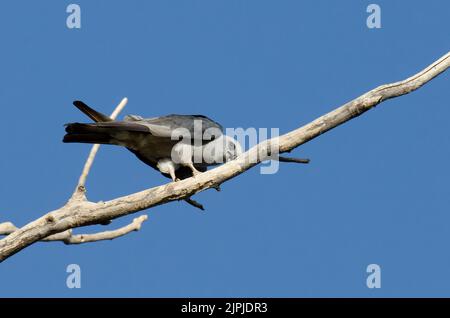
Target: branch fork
{"x": 79, "y": 197}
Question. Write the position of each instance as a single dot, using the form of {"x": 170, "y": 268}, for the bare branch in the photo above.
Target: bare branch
{"x": 194, "y": 203}
{"x": 295, "y": 160}
{"x": 80, "y": 213}
{"x": 7, "y": 228}
{"x": 68, "y": 238}
{"x": 105, "y": 235}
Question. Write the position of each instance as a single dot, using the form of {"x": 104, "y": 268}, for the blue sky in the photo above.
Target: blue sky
{"x": 376, "y": 190}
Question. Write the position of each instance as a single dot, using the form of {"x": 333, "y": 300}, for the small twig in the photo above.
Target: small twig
{"x": 68, "y": 238}
{"x": 194, "y": 203}
{"x": 106, "y": 235}
{"x": 87, "y": 166}
{"x": 296, "y": 160}
{"x": 7, "y": 228}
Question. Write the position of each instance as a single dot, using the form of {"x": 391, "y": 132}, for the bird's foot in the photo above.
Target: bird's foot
{"x": 195, "y": 173}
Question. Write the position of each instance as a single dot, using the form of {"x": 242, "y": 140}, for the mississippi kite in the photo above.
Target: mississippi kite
{"x": 170, "y": 144}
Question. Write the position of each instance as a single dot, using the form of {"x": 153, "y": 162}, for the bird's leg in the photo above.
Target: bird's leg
{"x": 166, "y": 166}
{"x": 172, "y": 173}
{"x": 196, "y": 172}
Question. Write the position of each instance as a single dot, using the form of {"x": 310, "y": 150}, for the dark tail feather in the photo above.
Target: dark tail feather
{"x": 78, "y": 128}
{"x": 114, "y": 133}
{"x": 91, "y": 113}
{"x": 87, "y": 133}
{"x": 88, "y": 138}
{"x": 111, "y": 127}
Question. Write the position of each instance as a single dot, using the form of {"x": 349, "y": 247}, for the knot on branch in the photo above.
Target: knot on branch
{"x": 50, "y": 219}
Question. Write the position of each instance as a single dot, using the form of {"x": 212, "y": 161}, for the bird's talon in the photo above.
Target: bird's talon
{"x": 195, "y": 173}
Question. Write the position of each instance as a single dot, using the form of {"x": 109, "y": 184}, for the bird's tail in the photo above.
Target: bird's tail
{"x": 91, "y": 113}
{"x": 104, "y": 131}
{"x": 112, "y": 132}
{"x": 87, "y": 133}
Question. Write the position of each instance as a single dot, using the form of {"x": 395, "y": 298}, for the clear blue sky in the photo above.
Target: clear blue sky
{"x": 376, "y": 190}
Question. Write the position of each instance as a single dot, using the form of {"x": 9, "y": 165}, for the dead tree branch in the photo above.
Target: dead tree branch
{"x": 68, "y": 238}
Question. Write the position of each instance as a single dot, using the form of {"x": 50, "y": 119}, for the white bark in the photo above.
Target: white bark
{"x": 67, "y": 237}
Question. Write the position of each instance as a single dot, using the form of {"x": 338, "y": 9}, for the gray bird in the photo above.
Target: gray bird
{"x": 171, "y": 144}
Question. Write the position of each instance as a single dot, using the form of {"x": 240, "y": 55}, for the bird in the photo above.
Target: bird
{"x": 178, "y": 146}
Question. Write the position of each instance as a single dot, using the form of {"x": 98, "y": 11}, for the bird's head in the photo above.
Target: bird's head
{"x": 221, "y": 149}
{"x": 232, "y": 149}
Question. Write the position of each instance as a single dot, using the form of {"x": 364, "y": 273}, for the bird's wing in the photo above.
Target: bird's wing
{"x": 115, "y": 126}
{"x": 188, "y": 126}
{"x": 127, "y": 134}
{"x": 158, "y": 126}
{"x": 133, "y": 118}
